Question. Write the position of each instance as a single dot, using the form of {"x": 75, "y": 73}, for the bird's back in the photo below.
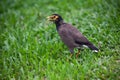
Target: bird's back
{"x": 71, "y": 36}
{"x": 67, "y": 30}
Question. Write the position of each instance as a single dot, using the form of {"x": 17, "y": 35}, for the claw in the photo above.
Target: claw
{"x": 78, "y": 54}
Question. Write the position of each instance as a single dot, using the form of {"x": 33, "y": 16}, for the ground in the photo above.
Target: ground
{"x": 31, "y": 49}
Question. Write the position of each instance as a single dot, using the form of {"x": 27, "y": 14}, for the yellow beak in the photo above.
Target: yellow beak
{"x": 52, "y": 18}
{"x": 49, "y": 18}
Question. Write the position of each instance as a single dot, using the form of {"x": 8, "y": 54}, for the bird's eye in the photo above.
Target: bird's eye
{"x": 54, "y": 16}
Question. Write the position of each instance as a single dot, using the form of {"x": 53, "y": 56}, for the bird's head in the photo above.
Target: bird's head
{"x": 55, "y": 18}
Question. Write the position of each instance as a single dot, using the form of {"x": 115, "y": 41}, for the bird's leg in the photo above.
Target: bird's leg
{"x": 78, "y": 53}
{"x": 71, "y": 52}
{"x": 71, "y": 55}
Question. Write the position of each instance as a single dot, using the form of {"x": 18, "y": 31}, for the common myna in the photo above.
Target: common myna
{"x": 70, "y": 35}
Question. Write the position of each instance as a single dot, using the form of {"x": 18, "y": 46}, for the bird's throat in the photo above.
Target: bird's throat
{"x": 58, "y": 24}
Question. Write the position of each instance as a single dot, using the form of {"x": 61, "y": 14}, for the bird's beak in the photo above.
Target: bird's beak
{"x": 52, "y": 18}
{"x": 49, "y": 18}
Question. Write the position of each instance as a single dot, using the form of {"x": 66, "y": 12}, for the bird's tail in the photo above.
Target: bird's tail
{"x": 92, "y": 47}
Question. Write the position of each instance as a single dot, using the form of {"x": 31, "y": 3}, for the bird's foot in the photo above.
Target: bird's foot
{"x": 78, "y": 54}
{"x": 68, "y": 59}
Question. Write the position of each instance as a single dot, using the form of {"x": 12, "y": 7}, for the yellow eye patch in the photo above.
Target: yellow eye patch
{"x": 56, "y": 17}
{"x": 53, "y": 18}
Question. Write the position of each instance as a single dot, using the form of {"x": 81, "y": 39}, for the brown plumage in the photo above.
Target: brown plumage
{"x": 70, "y": 35}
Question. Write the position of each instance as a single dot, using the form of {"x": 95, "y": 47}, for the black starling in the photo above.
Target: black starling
{"x": 70, "y": 35}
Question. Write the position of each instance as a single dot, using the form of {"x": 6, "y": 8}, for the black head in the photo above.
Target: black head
{"x": 55, "y": 18}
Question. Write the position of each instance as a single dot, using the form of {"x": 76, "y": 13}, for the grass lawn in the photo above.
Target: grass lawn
{"x": 31, "y": 49}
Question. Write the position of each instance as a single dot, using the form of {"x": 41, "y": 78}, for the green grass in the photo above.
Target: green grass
{"x": 30, "y": 48}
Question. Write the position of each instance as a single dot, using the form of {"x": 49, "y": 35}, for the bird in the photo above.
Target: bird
{"x": 70, "y": 35}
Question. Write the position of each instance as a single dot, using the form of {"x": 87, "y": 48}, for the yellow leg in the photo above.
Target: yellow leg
{"x": 71, "y": 55}
{"x": 78, "y": 53}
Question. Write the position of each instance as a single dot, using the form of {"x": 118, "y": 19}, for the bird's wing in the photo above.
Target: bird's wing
{"x": 77, "y": 36}
{"x": 64, "y": 34}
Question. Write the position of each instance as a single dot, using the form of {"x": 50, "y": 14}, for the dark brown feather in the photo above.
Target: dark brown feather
{"x": 71, "y": 36}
